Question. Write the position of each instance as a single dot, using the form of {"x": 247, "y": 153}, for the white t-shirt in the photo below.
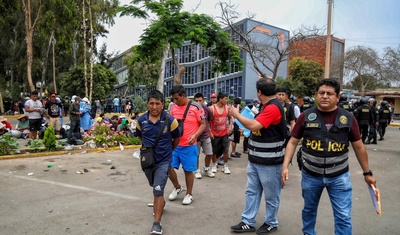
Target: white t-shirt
{"x": 34, "y": 105}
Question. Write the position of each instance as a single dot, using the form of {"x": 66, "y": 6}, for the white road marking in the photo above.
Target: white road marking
{"x": 120, "y": 195}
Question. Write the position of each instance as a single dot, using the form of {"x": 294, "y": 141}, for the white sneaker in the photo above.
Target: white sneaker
{"x": 174, "y": 194}
{"x": 187, "y": 200}
{"x": 197, "y": 174}
{"x": 225, "y": 169}
{"x": 209, "y": 173}
{"x": 214, "y": 168}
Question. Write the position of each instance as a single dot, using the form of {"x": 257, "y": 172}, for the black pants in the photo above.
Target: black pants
{"x": 372, "y": 133}
{"x": 364, "y": 132}
{"x": 382, "y": 129}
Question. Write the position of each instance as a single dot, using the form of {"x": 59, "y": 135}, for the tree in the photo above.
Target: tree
{"x": 172, "y": 28}
{"x": 29, "y": 27}
{"x": 372, "y": 83}
{"x": 364, "y": 63}
{"x": 266, "y": 53}
{"x": 304, "y": 77}
{"x": 391, "y": 65}
{"x": 103, "y": 82}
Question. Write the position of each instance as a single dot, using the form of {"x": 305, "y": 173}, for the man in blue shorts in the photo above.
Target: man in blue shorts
{"x": 147, "y": 129}
{"x": 186, "y": 153}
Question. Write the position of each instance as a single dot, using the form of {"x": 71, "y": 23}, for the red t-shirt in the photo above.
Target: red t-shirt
{"x": 191, "y": 124}
{"x": 329, "y": 120}
{"x": 270, "y": 115}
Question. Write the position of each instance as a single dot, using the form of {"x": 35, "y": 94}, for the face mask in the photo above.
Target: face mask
{"x": 258, "y": 105}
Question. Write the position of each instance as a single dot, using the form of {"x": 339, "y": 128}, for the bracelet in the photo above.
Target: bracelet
{"x": 368, "y": 173}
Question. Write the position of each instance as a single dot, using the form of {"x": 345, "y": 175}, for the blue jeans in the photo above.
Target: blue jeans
{"x": 262, "y": 178}
{"x": 116, "y": 108}
{"x": 339, "y": 190}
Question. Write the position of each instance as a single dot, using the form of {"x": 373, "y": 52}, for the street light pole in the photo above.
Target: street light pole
{"x": 328, "y": 40}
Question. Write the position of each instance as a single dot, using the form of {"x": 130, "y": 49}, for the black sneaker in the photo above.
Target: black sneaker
{"x": 156, "y": 228}
{"x": 242, "y": 228}
{"x": 265, "y": 229}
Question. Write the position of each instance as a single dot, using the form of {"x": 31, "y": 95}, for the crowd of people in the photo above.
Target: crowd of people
{"x": 35, "y": 112}
{"x": 325, "y": 126}
{"x": 276, "y": 127}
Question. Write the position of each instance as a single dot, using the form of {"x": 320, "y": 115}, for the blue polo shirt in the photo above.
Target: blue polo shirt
{"x": 149, "y": 131}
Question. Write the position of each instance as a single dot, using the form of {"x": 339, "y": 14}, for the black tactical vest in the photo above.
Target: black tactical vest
{"x": 266, "y": 146}
{"x": 325, "y": 152}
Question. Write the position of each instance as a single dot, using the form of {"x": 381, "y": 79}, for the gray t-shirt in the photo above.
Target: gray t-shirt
{"x": 34, "y": 105}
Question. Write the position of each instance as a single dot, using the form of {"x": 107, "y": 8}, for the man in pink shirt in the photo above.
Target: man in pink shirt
{"x": 192, "y": 126}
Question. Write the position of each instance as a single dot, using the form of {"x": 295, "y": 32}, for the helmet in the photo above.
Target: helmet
{"x": 293, "y": 99}
{"x": 372, "y": 100}
{"x": 384, "y": 103}
{"x": 363, "y": 100}
{"x": 307, "y": 99}
{"x": 343, "y": 97}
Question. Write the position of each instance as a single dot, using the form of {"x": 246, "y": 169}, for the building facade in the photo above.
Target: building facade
{"x": 314, "y": 49}
{"x": 199, "y": 75}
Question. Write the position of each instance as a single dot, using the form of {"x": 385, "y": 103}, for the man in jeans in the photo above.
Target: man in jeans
{"x": 266, "y": 151}
{"x": 327, "y": 131}
{"x": 147, "y": 128}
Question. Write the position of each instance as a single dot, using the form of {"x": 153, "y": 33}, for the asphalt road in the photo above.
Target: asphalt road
{"x": 57, "y": 200}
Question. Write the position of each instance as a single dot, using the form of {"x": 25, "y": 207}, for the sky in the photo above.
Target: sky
{"x": 371, "y": 23}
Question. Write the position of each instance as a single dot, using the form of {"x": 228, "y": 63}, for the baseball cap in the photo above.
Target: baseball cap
{"x": 53, "y": 95}
{"x": 213, "y": 95}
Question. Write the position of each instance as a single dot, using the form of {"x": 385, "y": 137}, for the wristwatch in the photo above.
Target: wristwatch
{"x": 368, "y": 173}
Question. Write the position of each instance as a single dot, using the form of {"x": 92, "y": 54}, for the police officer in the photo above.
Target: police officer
{"x": 364, "y": 117}
{"x": 384, "y": 118}
{"x": 343, "y": 103}
{"x": 308, "y": 103}
{"x": 372, "y": 136}
{"x": 327, "y": 131}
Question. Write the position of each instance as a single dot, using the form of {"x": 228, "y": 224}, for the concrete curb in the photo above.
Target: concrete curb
{"x": 45, "y": 154}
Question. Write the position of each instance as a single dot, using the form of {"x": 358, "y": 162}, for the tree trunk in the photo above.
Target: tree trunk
{"x": 84, "y": 47}
{"x": 29, "y": 51}
{"x": 54, "y": 67}
{"x": 91, "y": 50}
{"x": 160, "y": 82}
{"x": 181, "y": 70}
{"x": 44, "y": 63}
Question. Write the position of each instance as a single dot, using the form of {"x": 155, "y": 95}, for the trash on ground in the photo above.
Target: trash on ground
{"x": 84, "y": 151}
{"x": 79, "y": 172}
{"x": 136, "y": 155}
{"x": 86, "y": 170}
{"x": 113, "y": 167}
{"x": 30, "y": 174}
{"x": 49, "y": 165}
{"x": 121, "y": 147}
{"x": 68, "y": 147}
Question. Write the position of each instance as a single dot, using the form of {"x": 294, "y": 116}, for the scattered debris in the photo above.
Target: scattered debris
{"x": 84, "y": 151}
{"x": 136, "y": 155}
{"x": 113, "y": 167}
{"x": 30, "y": 174}
{"x": 121, "y": 147}
{"x": 150, "y": 204}
{"x": 68, "y": 147}
{"x": 69, "y": 153}
{"x": 86, "y": 170}
{"x": 49, "y": 165}
{"x": 79, "y": 172}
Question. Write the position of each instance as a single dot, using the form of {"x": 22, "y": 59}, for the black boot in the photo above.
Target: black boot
{"x": 367, "y": 142}
{"x": 374, "y": 141}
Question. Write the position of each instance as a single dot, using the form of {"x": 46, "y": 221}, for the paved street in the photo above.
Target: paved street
{"x": 57, "y": 200}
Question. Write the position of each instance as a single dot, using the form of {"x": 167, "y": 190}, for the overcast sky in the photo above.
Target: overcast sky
{"x": 373, "y": 23}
